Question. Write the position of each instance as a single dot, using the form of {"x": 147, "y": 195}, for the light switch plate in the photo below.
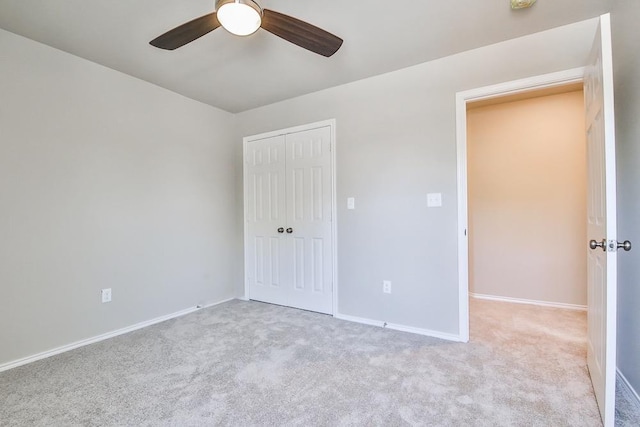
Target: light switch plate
{"x": 434, "y": 200}
{"x": 351, "y": 203}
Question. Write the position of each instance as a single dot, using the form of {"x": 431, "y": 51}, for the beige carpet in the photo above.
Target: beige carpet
{"x": 247, "y": 363}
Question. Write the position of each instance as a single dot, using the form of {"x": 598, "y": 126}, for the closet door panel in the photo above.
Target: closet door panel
{"x": 266, "y": 252}
{"x": 308, "y": 168}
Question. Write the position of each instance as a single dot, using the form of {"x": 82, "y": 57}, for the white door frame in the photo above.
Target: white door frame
{"x": 575, "y": 75}
{"x": 331, "y": 123}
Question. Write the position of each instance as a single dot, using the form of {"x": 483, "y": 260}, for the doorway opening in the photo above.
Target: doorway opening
{"x": 526, "y": 201}
{"x": 527, "y": 204}
{"x": 520, "y": 88}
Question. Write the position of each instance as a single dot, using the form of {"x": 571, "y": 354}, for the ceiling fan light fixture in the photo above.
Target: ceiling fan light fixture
{"x": 239, "y": 17}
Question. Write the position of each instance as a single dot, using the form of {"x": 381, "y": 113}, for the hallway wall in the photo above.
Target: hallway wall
{"x": 527, "y": 199}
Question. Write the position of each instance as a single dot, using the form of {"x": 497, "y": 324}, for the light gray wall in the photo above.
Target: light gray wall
{"x": 626, "y": 61}
{"x": 105, "y": 181}
{"x": 396, "y": 143}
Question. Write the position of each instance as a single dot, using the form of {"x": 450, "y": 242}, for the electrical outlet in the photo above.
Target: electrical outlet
{"x": 106, "y": 295}
{"x": 386, "y": 286}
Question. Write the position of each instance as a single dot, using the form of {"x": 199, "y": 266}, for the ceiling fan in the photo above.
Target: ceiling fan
{"x": 244, "y": 17}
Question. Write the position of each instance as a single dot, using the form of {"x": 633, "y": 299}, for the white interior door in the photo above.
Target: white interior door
{"x": 288, "y": 215}
{"x": 601, "y": 228}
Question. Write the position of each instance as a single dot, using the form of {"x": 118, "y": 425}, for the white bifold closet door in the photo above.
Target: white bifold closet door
{"x": 288, "y": 253}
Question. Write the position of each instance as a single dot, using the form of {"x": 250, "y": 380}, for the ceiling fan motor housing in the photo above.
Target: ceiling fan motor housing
{"x": 252, "y": 4}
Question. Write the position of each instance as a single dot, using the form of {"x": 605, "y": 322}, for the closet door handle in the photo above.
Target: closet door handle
{"x": 289, "y": 230}
{"x": 281, "y": 230}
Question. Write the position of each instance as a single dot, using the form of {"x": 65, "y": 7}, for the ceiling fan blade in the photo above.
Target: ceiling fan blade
{"x": 301, "y": 33}
{"x": 186, "y": 33}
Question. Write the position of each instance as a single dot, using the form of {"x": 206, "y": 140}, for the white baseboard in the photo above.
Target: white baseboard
{"x": 102, "y": 337}
{"x": 633, "y": 395}
{"x": 529, "y": 301}
{"x": 402, "y": 328}
{"x": 213, "y": 304}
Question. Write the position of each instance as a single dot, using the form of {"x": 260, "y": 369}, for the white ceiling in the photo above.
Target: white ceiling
{"x": 241, "y": 73}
